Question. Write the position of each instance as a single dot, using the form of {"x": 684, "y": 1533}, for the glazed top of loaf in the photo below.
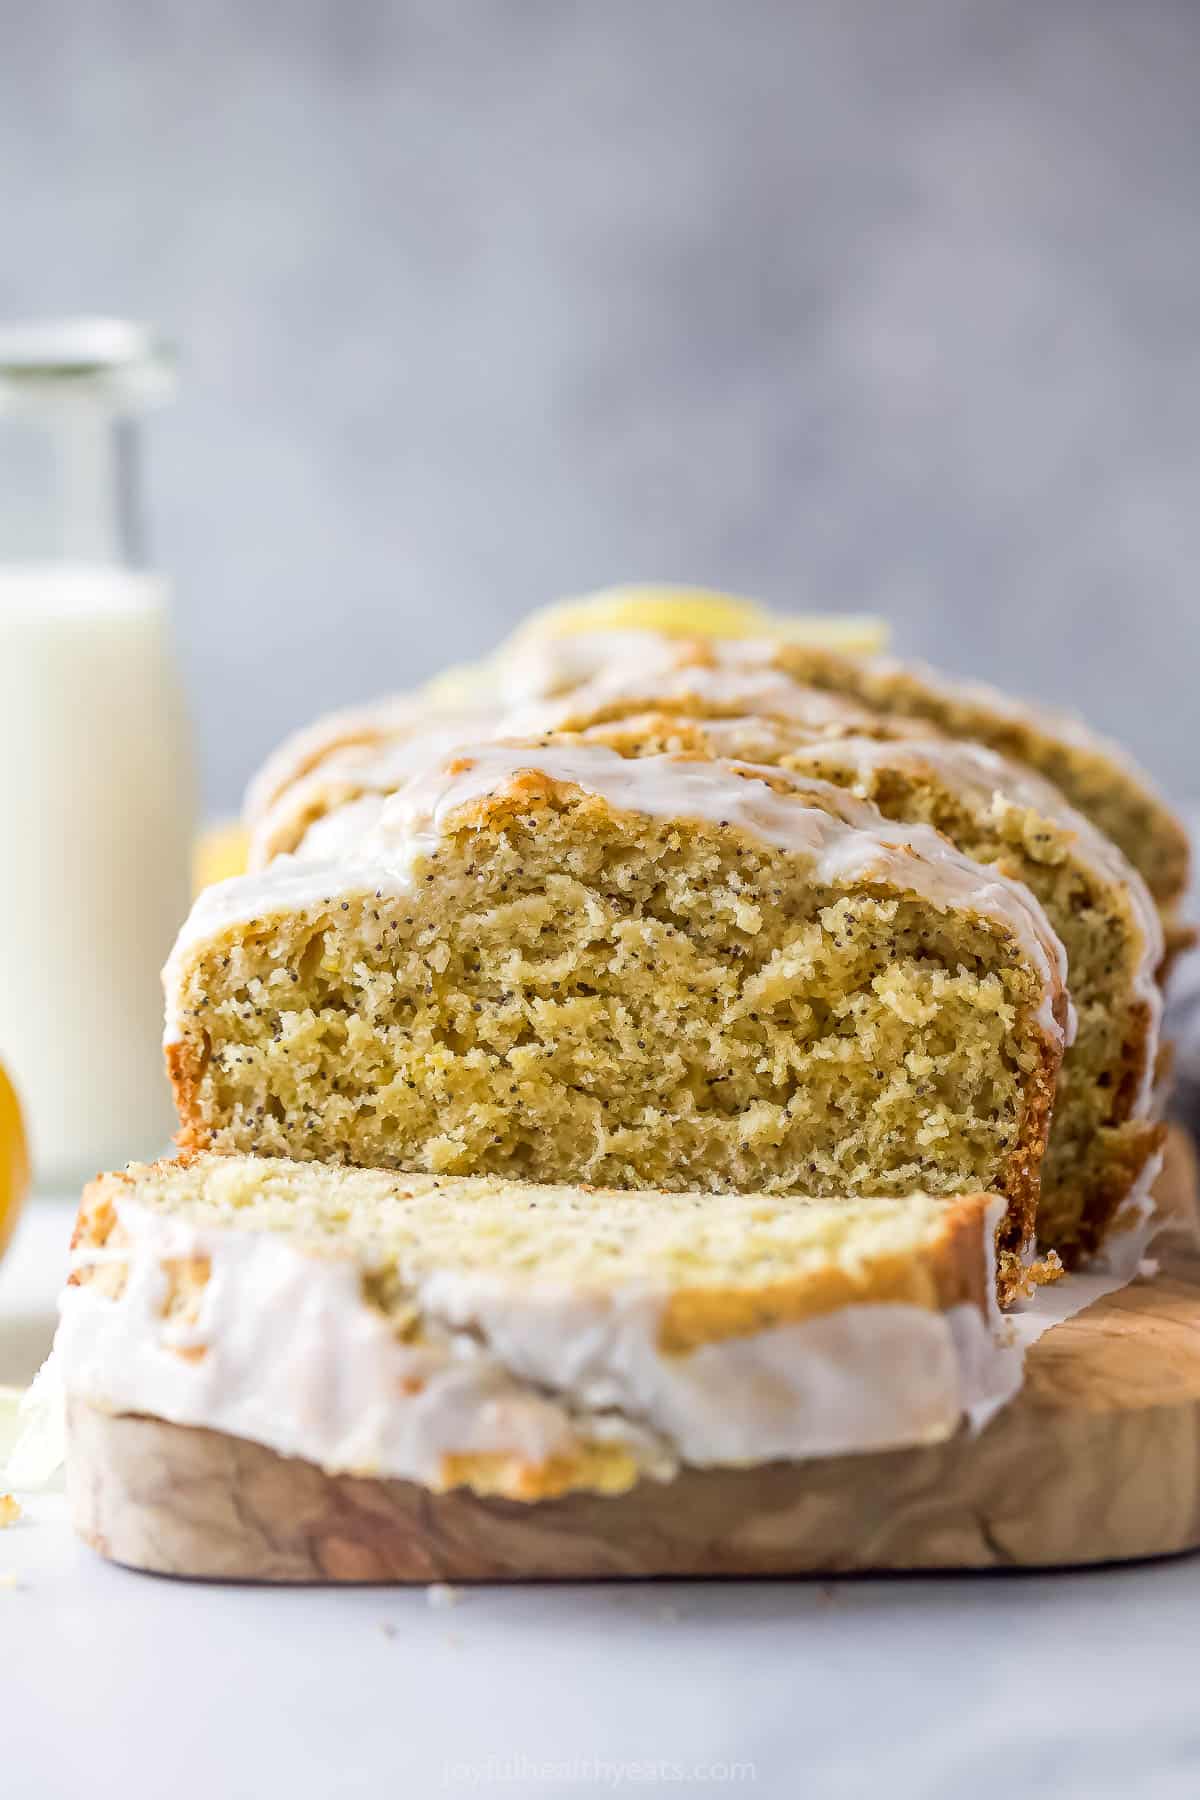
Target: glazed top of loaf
{"x": 402, "y": 739}
{"x": 755, "y": 690}
{"x": 554, "y": 666}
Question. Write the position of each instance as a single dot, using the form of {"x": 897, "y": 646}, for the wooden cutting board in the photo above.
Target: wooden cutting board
{"x": 1096, "y": 1460}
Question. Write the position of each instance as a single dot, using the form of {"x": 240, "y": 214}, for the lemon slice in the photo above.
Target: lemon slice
{"x": 667, "y": 611}
{"x": 218, "y": 853}
{"x": 14, "y": 1160}
{"x": 703, "y": 612}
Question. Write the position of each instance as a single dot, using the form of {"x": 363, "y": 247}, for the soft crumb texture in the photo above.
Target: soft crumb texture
{"x": 724, "y": 1265}
{"x": 1101, "y": 1139}
{"x": 10, "y": 1510}
{"x": 572, "y": 993}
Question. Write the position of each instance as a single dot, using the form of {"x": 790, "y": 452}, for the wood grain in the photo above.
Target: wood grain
{"x": 1097, "y": 1460}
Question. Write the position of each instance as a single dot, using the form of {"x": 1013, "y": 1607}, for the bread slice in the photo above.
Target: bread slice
{"x": 561, "y": 964}
{"x": 1104, "y": 1141}
{"x": 1097, "y": 777}
{"x": 523, "y": 1340}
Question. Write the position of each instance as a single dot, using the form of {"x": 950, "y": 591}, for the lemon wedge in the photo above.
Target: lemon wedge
{"x": 14, "y": 1160}
{"x": 219, "y": 852}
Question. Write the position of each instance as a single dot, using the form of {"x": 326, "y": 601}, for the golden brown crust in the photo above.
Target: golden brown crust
{"x": 948, "y": 1272}
{"x": 97, "y": 1214}
{"x": 185, "y": 1069}
{"x": 1021, "y": 1186}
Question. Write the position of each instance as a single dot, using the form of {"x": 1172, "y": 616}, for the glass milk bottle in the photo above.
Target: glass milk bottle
{"x": 96, "y": 793}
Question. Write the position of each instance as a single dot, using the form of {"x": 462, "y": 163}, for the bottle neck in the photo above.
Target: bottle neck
{"x": 69, "y": 483}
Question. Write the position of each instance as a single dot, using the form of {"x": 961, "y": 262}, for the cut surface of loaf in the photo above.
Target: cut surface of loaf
{"x": 527, "y": 1340}
{"x": 557, "y": 963}
{"x": 1104, "y": 1142}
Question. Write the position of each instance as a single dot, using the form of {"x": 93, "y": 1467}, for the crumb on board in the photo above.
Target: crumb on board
{"x": 10, "y": 1510}
{"x": 1041, "y": 1273}
{"x": 8, "y": 1578}
{"x": 439, "y": 1594}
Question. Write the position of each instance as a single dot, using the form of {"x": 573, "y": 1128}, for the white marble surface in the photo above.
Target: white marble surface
{"x": 1056, "y": 1685}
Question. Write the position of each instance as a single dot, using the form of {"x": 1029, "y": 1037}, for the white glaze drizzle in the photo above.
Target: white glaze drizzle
{"x": 286, "y": 1352}
{"x": 545, "y": 669}
{"x": 281, "y": 829}
{"x": 309, "y": 745}
{"x": 762, "y": 692}
{"x": 379, "y": 771}
{"x": 850, "y": 844}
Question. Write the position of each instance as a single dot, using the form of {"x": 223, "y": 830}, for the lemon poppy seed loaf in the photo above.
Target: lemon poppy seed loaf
{"x": 1104, "y": 1140}
{"x": 560, "y": 964}
{"x": 524, "y": 1340}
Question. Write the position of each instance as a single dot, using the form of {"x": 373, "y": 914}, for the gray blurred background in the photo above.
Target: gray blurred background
{"x": 857, "y": 305}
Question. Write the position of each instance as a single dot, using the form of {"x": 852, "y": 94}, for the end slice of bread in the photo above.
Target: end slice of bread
{"x": 526, "y": 1340}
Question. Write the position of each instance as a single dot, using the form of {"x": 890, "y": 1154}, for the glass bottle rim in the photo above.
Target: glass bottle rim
{"x": 127, "y": 363}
